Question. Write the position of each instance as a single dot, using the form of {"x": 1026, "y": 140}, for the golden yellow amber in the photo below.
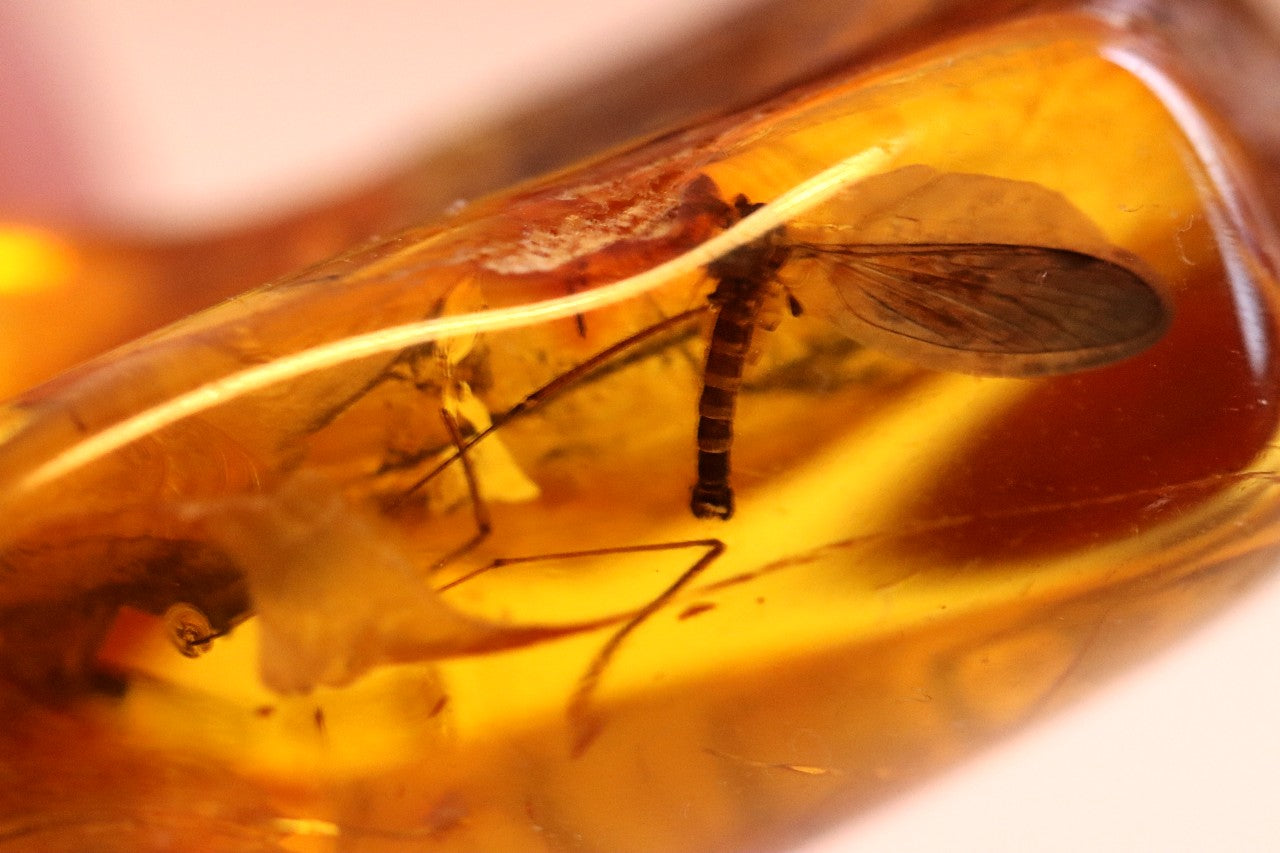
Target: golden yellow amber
{"x": 236, "y": 575}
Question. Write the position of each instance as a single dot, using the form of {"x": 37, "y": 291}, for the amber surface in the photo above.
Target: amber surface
{"x": 100, "y": 290}
{"x": 920, "y": 560}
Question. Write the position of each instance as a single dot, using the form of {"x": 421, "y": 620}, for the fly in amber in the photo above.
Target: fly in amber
{"x": 987, "y": 308}
{"x": 946, "y": 300}
{"x": 918, "y": 563}
{"x": 981, "y": 306}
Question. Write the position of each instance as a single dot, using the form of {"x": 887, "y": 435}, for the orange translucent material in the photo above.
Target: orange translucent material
{"x": 100, "y": 291}
{"x": 223, "y": 583}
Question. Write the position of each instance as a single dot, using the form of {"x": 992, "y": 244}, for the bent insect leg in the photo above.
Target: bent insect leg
{"x": 584, "y": 724}
{"x": 529, "y": 404}
{"x": 547, "y": 392}
{"x": 479, "y": 508}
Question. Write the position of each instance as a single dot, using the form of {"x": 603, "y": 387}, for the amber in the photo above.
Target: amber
{"x": 244, "y": 571}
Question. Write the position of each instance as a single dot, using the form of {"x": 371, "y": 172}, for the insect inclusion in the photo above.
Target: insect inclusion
{"x": 970, "y": 305}
{"x": 998, "y": 309}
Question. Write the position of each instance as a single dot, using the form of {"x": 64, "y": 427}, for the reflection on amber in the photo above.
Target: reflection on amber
{"x": 98, "y": 291}
{"x": 32, "y": 259}
{"x": 249, "y": 576}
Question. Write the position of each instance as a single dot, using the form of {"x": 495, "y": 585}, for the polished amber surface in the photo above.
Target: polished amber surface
{"x": 241, "y": 564}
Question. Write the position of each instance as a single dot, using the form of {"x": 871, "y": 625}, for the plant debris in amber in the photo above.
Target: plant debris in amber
{"x": 397, "y": 552}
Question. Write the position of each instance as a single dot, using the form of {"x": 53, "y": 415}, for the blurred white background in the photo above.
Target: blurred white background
{"x": 175, "y": 116}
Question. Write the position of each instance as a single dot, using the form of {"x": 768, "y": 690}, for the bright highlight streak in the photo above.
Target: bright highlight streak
{"x": 785, "y": 207}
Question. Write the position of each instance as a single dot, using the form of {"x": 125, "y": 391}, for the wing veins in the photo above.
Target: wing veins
{"x": 891, "y": 278}
{"x": 1019, "y": 300}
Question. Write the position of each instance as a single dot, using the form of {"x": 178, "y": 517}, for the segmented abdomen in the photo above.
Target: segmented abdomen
{"x": 726, "y": 357}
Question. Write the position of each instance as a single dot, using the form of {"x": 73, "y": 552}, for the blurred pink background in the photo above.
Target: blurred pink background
{"x": 171, "y": 118}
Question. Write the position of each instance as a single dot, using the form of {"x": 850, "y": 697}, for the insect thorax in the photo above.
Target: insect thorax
{"x": 747, "y": 271}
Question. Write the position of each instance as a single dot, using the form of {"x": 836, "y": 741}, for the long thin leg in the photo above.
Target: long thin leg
{"x": 555, "y": 386}
{"x": 584, "y": 724}
{"x": 479, "y": 509}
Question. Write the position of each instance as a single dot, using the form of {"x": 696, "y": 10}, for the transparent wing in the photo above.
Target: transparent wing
{"x": 1003, "y": 310}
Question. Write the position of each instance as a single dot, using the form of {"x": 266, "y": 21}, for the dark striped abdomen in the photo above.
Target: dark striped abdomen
{"x": 726, "y": 356}
{"x": 745, "y": 279}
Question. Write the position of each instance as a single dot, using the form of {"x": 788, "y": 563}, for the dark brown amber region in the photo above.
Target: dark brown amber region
{"x": 1101, "y": 452}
